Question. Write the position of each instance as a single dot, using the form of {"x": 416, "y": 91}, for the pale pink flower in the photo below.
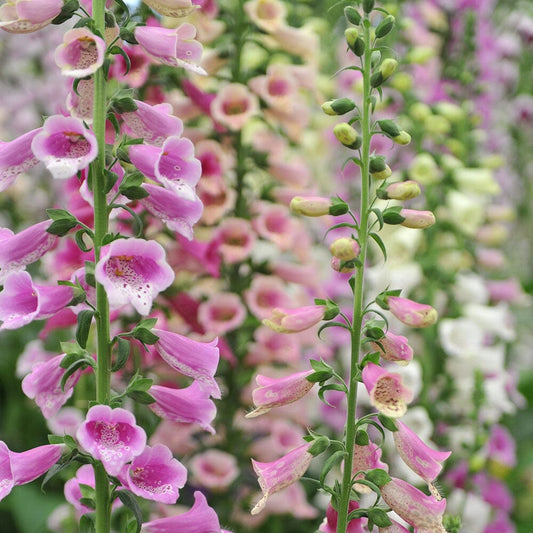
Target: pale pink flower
{"x": 412, "y": 313}
{"x": 264, "y": 294}
{"x": 274, "y": 223}
{"x": 272, "y": 347}
{"x": 274, "y": 392}
{"x": 27, "y": 16}
{"x": 172, "y": 8}
{"x": 221, "y": 313}
{"x": 236, "y": 239}
{"x": 214, "y": 469}
{"x": 395, "y": 527}
{"x": 16, "y": 157}
{"x": 302, "y": 41}
{"x": 111, "y": 436}
{"x": 386, "y": 390}
{"x": 133, "y": 271}
{"x": 80, "y": 102}
{"x": 80, "y": 54}
{"x": 394, "y": 348}
{"x": 294, "y": 320}
{"x": 278, "y": 88}
{"x": 366, "y": 458}
{"x": 266, "y": 14}
{"x": 217, "y": 199}
{"x": 417, "y": 219}
{"x": 155, "y": 475}
{"x": 293, "y": 501}
{"x": 233, "y": 106}
{"x": 65, "y": 421}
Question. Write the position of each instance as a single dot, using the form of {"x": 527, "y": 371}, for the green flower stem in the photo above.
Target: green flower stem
{"x": 357, "y": 321}
{"x": 101, "y": 217}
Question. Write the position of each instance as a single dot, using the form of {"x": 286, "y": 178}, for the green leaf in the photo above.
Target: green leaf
{"x": 129, "y": 500}
{"x": 330, "y": 463}
{"x": 387, "y": 422}
{"x": 63, "y": 462}
{"x": 370, "y": 358}
{"x": 87, "y": 491}
{"x": 361, "y": 438}
{"x": 140, "y": 384}
{"x": 378, "y": 476}
{"x": 110, "y": 180}
{"x": 392, "y": 215}
{"x": 379, "y": 517}
{"x": 377, "y": 239}
{"x": 87, "y": 523}
{"x": 141, "y": 397}
{"x": 134, "y": 193}
{"x": 123, "y": 105}
{"x": 67, "y": 11}
{"x": 84, "y": 327}
{"x": 79, "y": 239}
{"x": 374, "y": 332}
{"x": 89, "y": 274}
{"x": 123, "y": 354}
{"x": 62, "y": 227}
{"x": 132, "y": 179}
{"x": 331, "y": 386}
{"x": 379, "y": 216}
{"x": 144, "y": 335}
{"x": 116, "y": 50}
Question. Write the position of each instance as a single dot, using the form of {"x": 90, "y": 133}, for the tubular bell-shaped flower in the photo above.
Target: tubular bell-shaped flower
{"x": 16, "y": 157}
{"x": 172, "y": 8}
{"x": 274, "y": 392}
{"x": 175, "y": 47}
{"x": 279, "y": 474}
{"x": 386, "y": 390}
{"x": 295, "y": 320}
{"x": 366, "y": 457}
{"x": 81, "y": 53}
{"x": 394, "y": 348}
{"x": 233, "y": 106}
{"x": 198, "y": 360}
{"x": 111, "y": 436}
{"x": 22, "y": 301}
{"x": 65, "y": 146}
{"x": 27, "y": 16}
{"x": 21, "y": 468}
{"x": 133, "y": 271}
{"x": 412, "y": 313}
{"x": 24, "y": 248}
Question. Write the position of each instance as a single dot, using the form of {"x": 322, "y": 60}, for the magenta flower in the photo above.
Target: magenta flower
{"x": 133, "y": 271}
{"x": 394, "y": 348}
{"x": 21, "y": 468}
{"x": 43, "y": 384}
{"x": 295, "y": 320}
{"x": 27, "y": 16}
{"x": 80, "y": 54}
{"x": 199, "y": 519}
{"x": 386, "y": 390}
{"x": 332, "y": 517}
{"x": 221, "y": 313}
{"x": 274, "y": 392}
{"x": 411, "y": 313}
{"x": 151, "y": 123}
{"x": 176, "y": 163}
{"x": 419, "y": 457}
{"x": 198, "y": 360}
{"x": 189, "y": 405}
{"x": 111, "y": 436}
{"x": 65, "y": 146}
{"x": 22, "y": 301}
{"x": 175, "y": 47}
{"x": 501, "y": 447}
{"x": 24, "y": 248}
{"x": 155, "y": 475}
{"x": 421, "y": 511}
{"x": 16, "y": 156}
{"x": 179, "y": 213}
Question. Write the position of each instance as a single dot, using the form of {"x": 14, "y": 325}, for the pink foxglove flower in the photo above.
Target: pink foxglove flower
{"x": 175, "y": 47}
{"x": 22, "y": 301}
{"x": 80, "y": 54}
{"x": 189, "y": 405}
{"x": 24, "y": 248}
{"x": 65, "y": 146}
{"x": 179, "y": 213}
{"x": 279, "y": 474}
{"x": 295, "y": 320}
{"x": 411, "y": 313}
{"x": 214, "y": 469}
{"x": 395, "y": 527}
{"x": 111, "y": 436}
{"x": 419, "y": 457}
{"x": 268, "y": 15}
{"x": 155, "y": 475}
{"x": 80, "y": 101}
{"x": 27, "y": 16}
{"x": 274, "y": 392}
{"x": 366, "y": 458}
{"x": 221, "y": 313}
{"x": 421, "y": 511}
{"x": 394, "y": 348}
{"x": 176, "y": 163}
{"x": 386, "y": 390}
{"x": 501, "y": 447}
{"x": 233, "y": 106}
{"x": 332, "y": 517}
{"x": 199, "y": 519}
{"x": 236, "y": 240}
{"x": 43, "y": 384}
{"x": 172, "y": 8}
{"x": 133, "y": 271}
{"x": 417, "y": 219}
{"x": 264, "y": 294}
{"x": 16, "y": 157}
{"x": 21, "y": 468}
{"x": 198, "y": 360}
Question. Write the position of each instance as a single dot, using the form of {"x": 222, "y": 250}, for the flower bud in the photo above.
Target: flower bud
{"x": 356, "y": 44}
{"x": 402, "y": 190}
{"x": 417, "y": 219}
{"x": 347, "y": 135}
{"x": 342, "y": 266}
{"x": 345, "y": 249}
{"x": 340, "y": 106}
{"x": 386, "y": 70}
{"x": 312, "y": 206}
{"x": 352, "y": 15}
{"x": 412, "y": 313}
{"x": 389, "y": 128}
{"x": 403, "y": 138}
{"x": 368, "y": 5}
{"x": 385, "y": 26}
{"x": 378, "y": 169}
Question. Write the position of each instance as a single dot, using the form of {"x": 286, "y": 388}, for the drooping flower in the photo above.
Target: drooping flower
{"x": 189, "y": 405}
{"x": 394, "y": 348}
{"x": 172, "y": 8}
{"x": 27, "y": 16}
{"x": 419, "y": 457}
{"x": 233, "y": 106}
{"x": 412, "y": 313}
{"x": 43, "y": 384}
{"x": 295, "y": 320}
{"x": 65, "y": 146}
{"x": 21, "y": 468}
{"x": 133, "y": 271}
{"x": 176, "y": 163}
{"x": 155, "y": 475}
{"x": 268, "y": 15}
{"x": 175, "y": 47}
{"x": 214, "y": 469}
{"x": 80, "y": 54}
{"x": 279, "y": 474}
{"x": 199, "y": 519}
{"x": 17, "y": 251}
{"x": 22, "y": 301}
{"x": 111, "y": 436}
{"x": 274, "y": 392}
{"x": 198, "y": 360}
{"x": 16, "y": 156}
{"x": 366, "y": 457}
{"x": 386, "y": 390}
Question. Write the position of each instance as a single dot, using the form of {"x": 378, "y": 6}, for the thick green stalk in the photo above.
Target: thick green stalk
{"x": 357, "y": 320}
{"x": 101, "y": 217}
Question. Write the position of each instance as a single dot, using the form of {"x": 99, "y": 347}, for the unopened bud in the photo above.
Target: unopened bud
{"x": 378, "y": 169}
{"x": 389, "y": 127}
{"x": 403, "y": 138}
{"x": 402, "y": 190}
{"x": 340, "y": 106}
{"x": 386, "y": 70}
{"x": 342, "y": 266}
{"x": 347, "y": 135}
{"x": 417, "y": 219}
{"x": 368, "y": 5}
{"x": 352, "y": 15}
{"x": 345, "y": 249}
{"x": 312, "y": 206}
{"x": 385, "y": 26}
{"x": 356, "y": 44}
